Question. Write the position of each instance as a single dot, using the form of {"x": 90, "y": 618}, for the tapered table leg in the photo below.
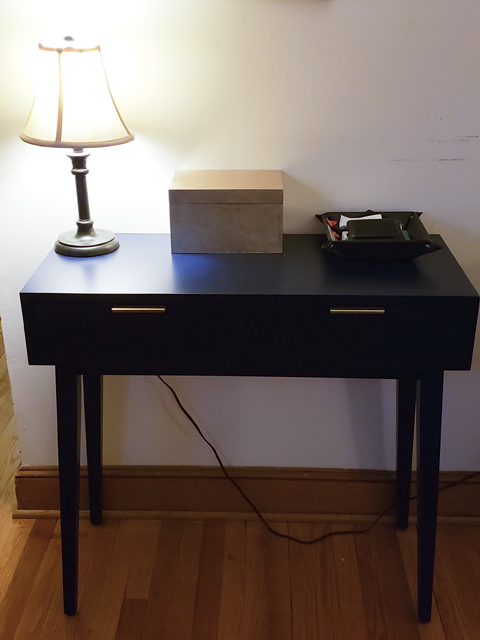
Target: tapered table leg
{"x": 429, "y": 430}
{"x": 68, "y": 419}
{"x": 93, "y": 400}
{"x": 406, "y": 399}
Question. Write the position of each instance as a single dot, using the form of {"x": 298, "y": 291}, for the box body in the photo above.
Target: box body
{"x": 226, "y": 212}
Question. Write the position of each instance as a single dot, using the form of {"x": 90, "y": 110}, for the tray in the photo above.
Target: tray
{"x": 418, "y": 244}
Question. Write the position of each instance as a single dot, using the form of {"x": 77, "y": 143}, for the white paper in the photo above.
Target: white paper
{"x": 345, "y": 219}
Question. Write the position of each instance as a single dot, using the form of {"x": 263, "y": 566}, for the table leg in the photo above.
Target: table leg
{"x": 93, "y": 401}
{"x": 68, "y": 419}
{"x": 429, "y": 430}
{"x": 406, "y": 398}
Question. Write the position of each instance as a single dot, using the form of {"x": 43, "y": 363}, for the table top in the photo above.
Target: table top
{"x": 144, "y": 264}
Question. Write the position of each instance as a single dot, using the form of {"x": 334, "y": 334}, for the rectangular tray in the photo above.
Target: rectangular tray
{"x": 419, "y": 243}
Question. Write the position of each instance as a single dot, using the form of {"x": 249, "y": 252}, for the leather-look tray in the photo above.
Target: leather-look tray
{"x": 418, "y": 244}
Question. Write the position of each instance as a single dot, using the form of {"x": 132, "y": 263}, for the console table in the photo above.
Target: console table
{"x": 142, "y": 310}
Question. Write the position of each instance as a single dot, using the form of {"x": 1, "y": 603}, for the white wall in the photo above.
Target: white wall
{"x": 367, "y": 104}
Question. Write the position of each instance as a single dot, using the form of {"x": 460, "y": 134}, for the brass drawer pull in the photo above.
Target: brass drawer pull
{"x": 372, "y": 311}
{"x": 138, "y": 309}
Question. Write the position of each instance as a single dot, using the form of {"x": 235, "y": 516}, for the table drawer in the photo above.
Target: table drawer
{"x": 352, "y": 332}
{"x": 151, "y": 330}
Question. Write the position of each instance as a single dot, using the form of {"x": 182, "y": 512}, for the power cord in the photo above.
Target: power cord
{"x": 286, "y": 536}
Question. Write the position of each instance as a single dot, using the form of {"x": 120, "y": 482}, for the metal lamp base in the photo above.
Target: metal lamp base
{"x": 77, "y": 243}
{"x": 84, "y": 241}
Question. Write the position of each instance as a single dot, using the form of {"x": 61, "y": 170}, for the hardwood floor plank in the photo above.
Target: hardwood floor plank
{"x": 209, "y": 584}
{"x": 279, "y": 602}
{"x": 255, "y": 614}
{"x": 305, "y": 620}
{"x": 408, "y": 546}
{"x": 178, "y": 622}
{"x": 6, "y": 525}
{"x": 186, "y": 570}
{"x": 457, "y": 598}
{"x": 15, "y": 534}
{"x": 97, "y": 543}
{"x": 375, "y": 612}
{"x": 390, "y": 611}
{"x": 171, "y": 603}
{"x": 471, "y": 535}
{"x": 232, "y": 601}
{"x": 132, "y": 618}
{"x": 112, "y": 595}
{"x": 251, "y": 596}
{"x": 350, "y": 620}
{"x": 21, "y": 585}
{"x": 469, "y": 538}
{"x": 329, "y": 607}
{"x": 95, "y": 549}
{"x": 140, "y": 577}
{"x": 9, "y": 463}
{"x": 43, "y": 590}
{"x": 160, "y": 595}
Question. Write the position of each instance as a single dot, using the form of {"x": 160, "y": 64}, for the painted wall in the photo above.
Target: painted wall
{"x": 368, "y": 104}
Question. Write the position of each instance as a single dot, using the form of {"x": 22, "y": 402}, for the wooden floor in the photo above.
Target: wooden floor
{"x": 232, "y": 580}
{"x": 183, "y": 579}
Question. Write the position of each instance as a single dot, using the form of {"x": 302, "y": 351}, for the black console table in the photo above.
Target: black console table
{"x": 142, "y": 310}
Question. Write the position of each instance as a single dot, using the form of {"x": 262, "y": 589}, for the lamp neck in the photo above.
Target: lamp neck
{"x": 80, "y": 171}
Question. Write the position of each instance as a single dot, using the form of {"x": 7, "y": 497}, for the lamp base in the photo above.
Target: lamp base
{"x": 78, "y": 244}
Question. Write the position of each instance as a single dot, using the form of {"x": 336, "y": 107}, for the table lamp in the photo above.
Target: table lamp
{"x": 73, "y": 108}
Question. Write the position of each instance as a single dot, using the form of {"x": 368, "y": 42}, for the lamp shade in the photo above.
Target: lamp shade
{"x": 73, "y": 106}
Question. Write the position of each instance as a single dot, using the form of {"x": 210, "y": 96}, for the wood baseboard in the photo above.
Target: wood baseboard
{"x": 319, "y": 493}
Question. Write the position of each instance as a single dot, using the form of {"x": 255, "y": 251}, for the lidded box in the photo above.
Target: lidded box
{"x": 226, "y": 211}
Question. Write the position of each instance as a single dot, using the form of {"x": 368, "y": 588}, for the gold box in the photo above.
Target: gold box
{"x": 226, "y": 212}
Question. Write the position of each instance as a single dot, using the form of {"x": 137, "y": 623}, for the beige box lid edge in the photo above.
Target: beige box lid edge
{"x": 225, "y": 186}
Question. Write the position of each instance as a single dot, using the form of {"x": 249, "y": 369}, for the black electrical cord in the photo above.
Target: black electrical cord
{"x": 330, "y": 534}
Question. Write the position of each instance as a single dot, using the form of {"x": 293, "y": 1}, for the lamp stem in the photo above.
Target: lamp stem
{"x": 80, "y": 171}
{"x": 84, "y": 241}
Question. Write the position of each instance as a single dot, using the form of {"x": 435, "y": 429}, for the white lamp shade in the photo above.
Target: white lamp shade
{"x": 73, "y": 106}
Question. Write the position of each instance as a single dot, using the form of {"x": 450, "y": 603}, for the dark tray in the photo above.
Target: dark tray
{"x": 418, "y": 244}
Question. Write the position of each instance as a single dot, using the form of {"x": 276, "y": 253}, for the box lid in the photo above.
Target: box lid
{"x": 224, "y": 187}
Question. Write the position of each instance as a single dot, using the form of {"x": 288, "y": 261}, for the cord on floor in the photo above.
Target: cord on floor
{"x": 258, "y": 513}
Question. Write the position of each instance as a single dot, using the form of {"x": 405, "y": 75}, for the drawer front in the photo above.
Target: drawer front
{"x": 414, "y": 333}
{"x": 108, "y": 330}
{"x": 436, "y": 334}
